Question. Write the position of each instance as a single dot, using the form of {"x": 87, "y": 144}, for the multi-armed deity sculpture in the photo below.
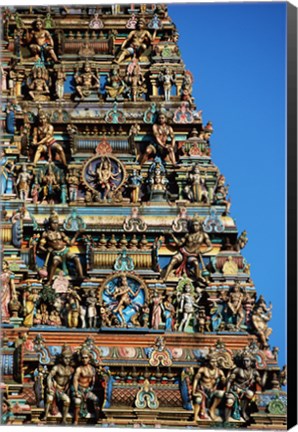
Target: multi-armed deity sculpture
{"x": 125, "y": 295}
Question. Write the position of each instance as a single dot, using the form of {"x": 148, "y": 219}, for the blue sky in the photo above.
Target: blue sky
{"x": 236, "y": 53}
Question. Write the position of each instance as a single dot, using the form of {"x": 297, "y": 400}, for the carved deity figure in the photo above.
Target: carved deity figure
{"x": 59, "y": 83}
{"x": 30, "y": 299}
{"x": 73, "y": 181}
{"x": 136, "y": 42}
{"x": 23, "y": 183}
{"x": 167, "y": 79}
{"x": 165, "y": 141}
{"x": 83, "y": 387}
{"x": 40, "y": 42}
{"x": 91, "y": 302}
{"x": 56, "y": 244}
{"x": 157, "y": 178}
{"x": 123, "y": 295}
{"x": 241, "y": 241}
{"x": 169, "y": 313}
{"x": 115, "y": 85}
{"x": 190, "y": 250}
{"x": 6, "y": 171}
{"x": 186, "y": 90}
{"x": 7, "y": 290}
{"x": 187, "y": 307}
{"x": 235, "y": 307}
{"x": 205, "y": 390}
{"x": 38, "y": 88}
{"x": 50, "y": 185}
{"x": 44, "y": 141}
{"x": 135, "y": 183}
{"x": 58, "y": 384}
{"x": 136, "y": 81}
{"x": 260, "y": 317}
{"x": 105, "y": 177}
{"x": 73, "y": 308}
{"x": 230, "y": 267}
{"x": 196, "y": 190}
{"x": 86, "y": 81}
{"x": 156, "y": 317}
{"x": 220, "y": 194}
{"x": 240, "y": 388}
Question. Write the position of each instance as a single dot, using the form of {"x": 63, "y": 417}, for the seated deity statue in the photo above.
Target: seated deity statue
{"x": 44, "y": 141}
{"x": 136, "y": 42}
{"x": 40, "y": 42}
{"x": 86, "y": 81}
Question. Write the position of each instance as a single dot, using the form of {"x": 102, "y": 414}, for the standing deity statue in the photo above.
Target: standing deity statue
{"x": 73, "y": 308}
{"x": 136, "y": 81}
{"x": 187, "y": 306}
{"x": 56, "y": 244}
{"x": 58, "y": 384}
{"x": 196, "y": 190}
{"x": 91, "y": 302}
{"x": 73, "y": 181}
{"x": 43, "y": 139}
{"x": 23, "y": 183}
{"x": 167, "y": 79}
{"x": 7, "y": 291}
{"x": 240, "y": 388}
{"x": 260, "y": 317}
{"x": 156, "y": 317}
{"x": 40, "y": 42}
{"x": 190, "y": 250}
{"x": 134, "y": 184}
{"x": 165, "y": 141}
{"x": 83, "y": 387}
{"x": 136, "y": 42}
{"x": 186, "y": 90}
{"x": 51, "y": 186}
{"x": 6, "y": 174}
{"x": 205, "y": 390}
{"x": 12, "y": 80}
{"x": 30, "y": 299}
{"x": 235, "y": 307}
{"x": 169, "y": 313}
{"x": 59, "y": 83}
{"x": 105, "y": 177}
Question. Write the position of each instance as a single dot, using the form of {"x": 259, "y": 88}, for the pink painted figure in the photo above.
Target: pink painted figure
{"x": 35, "y": 193}
{"x": 156, "y": 311}
{"x": 7, "y": 291}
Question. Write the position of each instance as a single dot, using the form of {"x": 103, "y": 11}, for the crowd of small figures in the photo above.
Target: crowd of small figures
{"x": 104, "y": 178}
{"x": 123, "y": 299}
{"x": 52, "y": 177}
{"x": 100, "y": 126}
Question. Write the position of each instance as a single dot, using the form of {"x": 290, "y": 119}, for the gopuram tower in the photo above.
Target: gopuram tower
{"x": 126, "y": 297}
